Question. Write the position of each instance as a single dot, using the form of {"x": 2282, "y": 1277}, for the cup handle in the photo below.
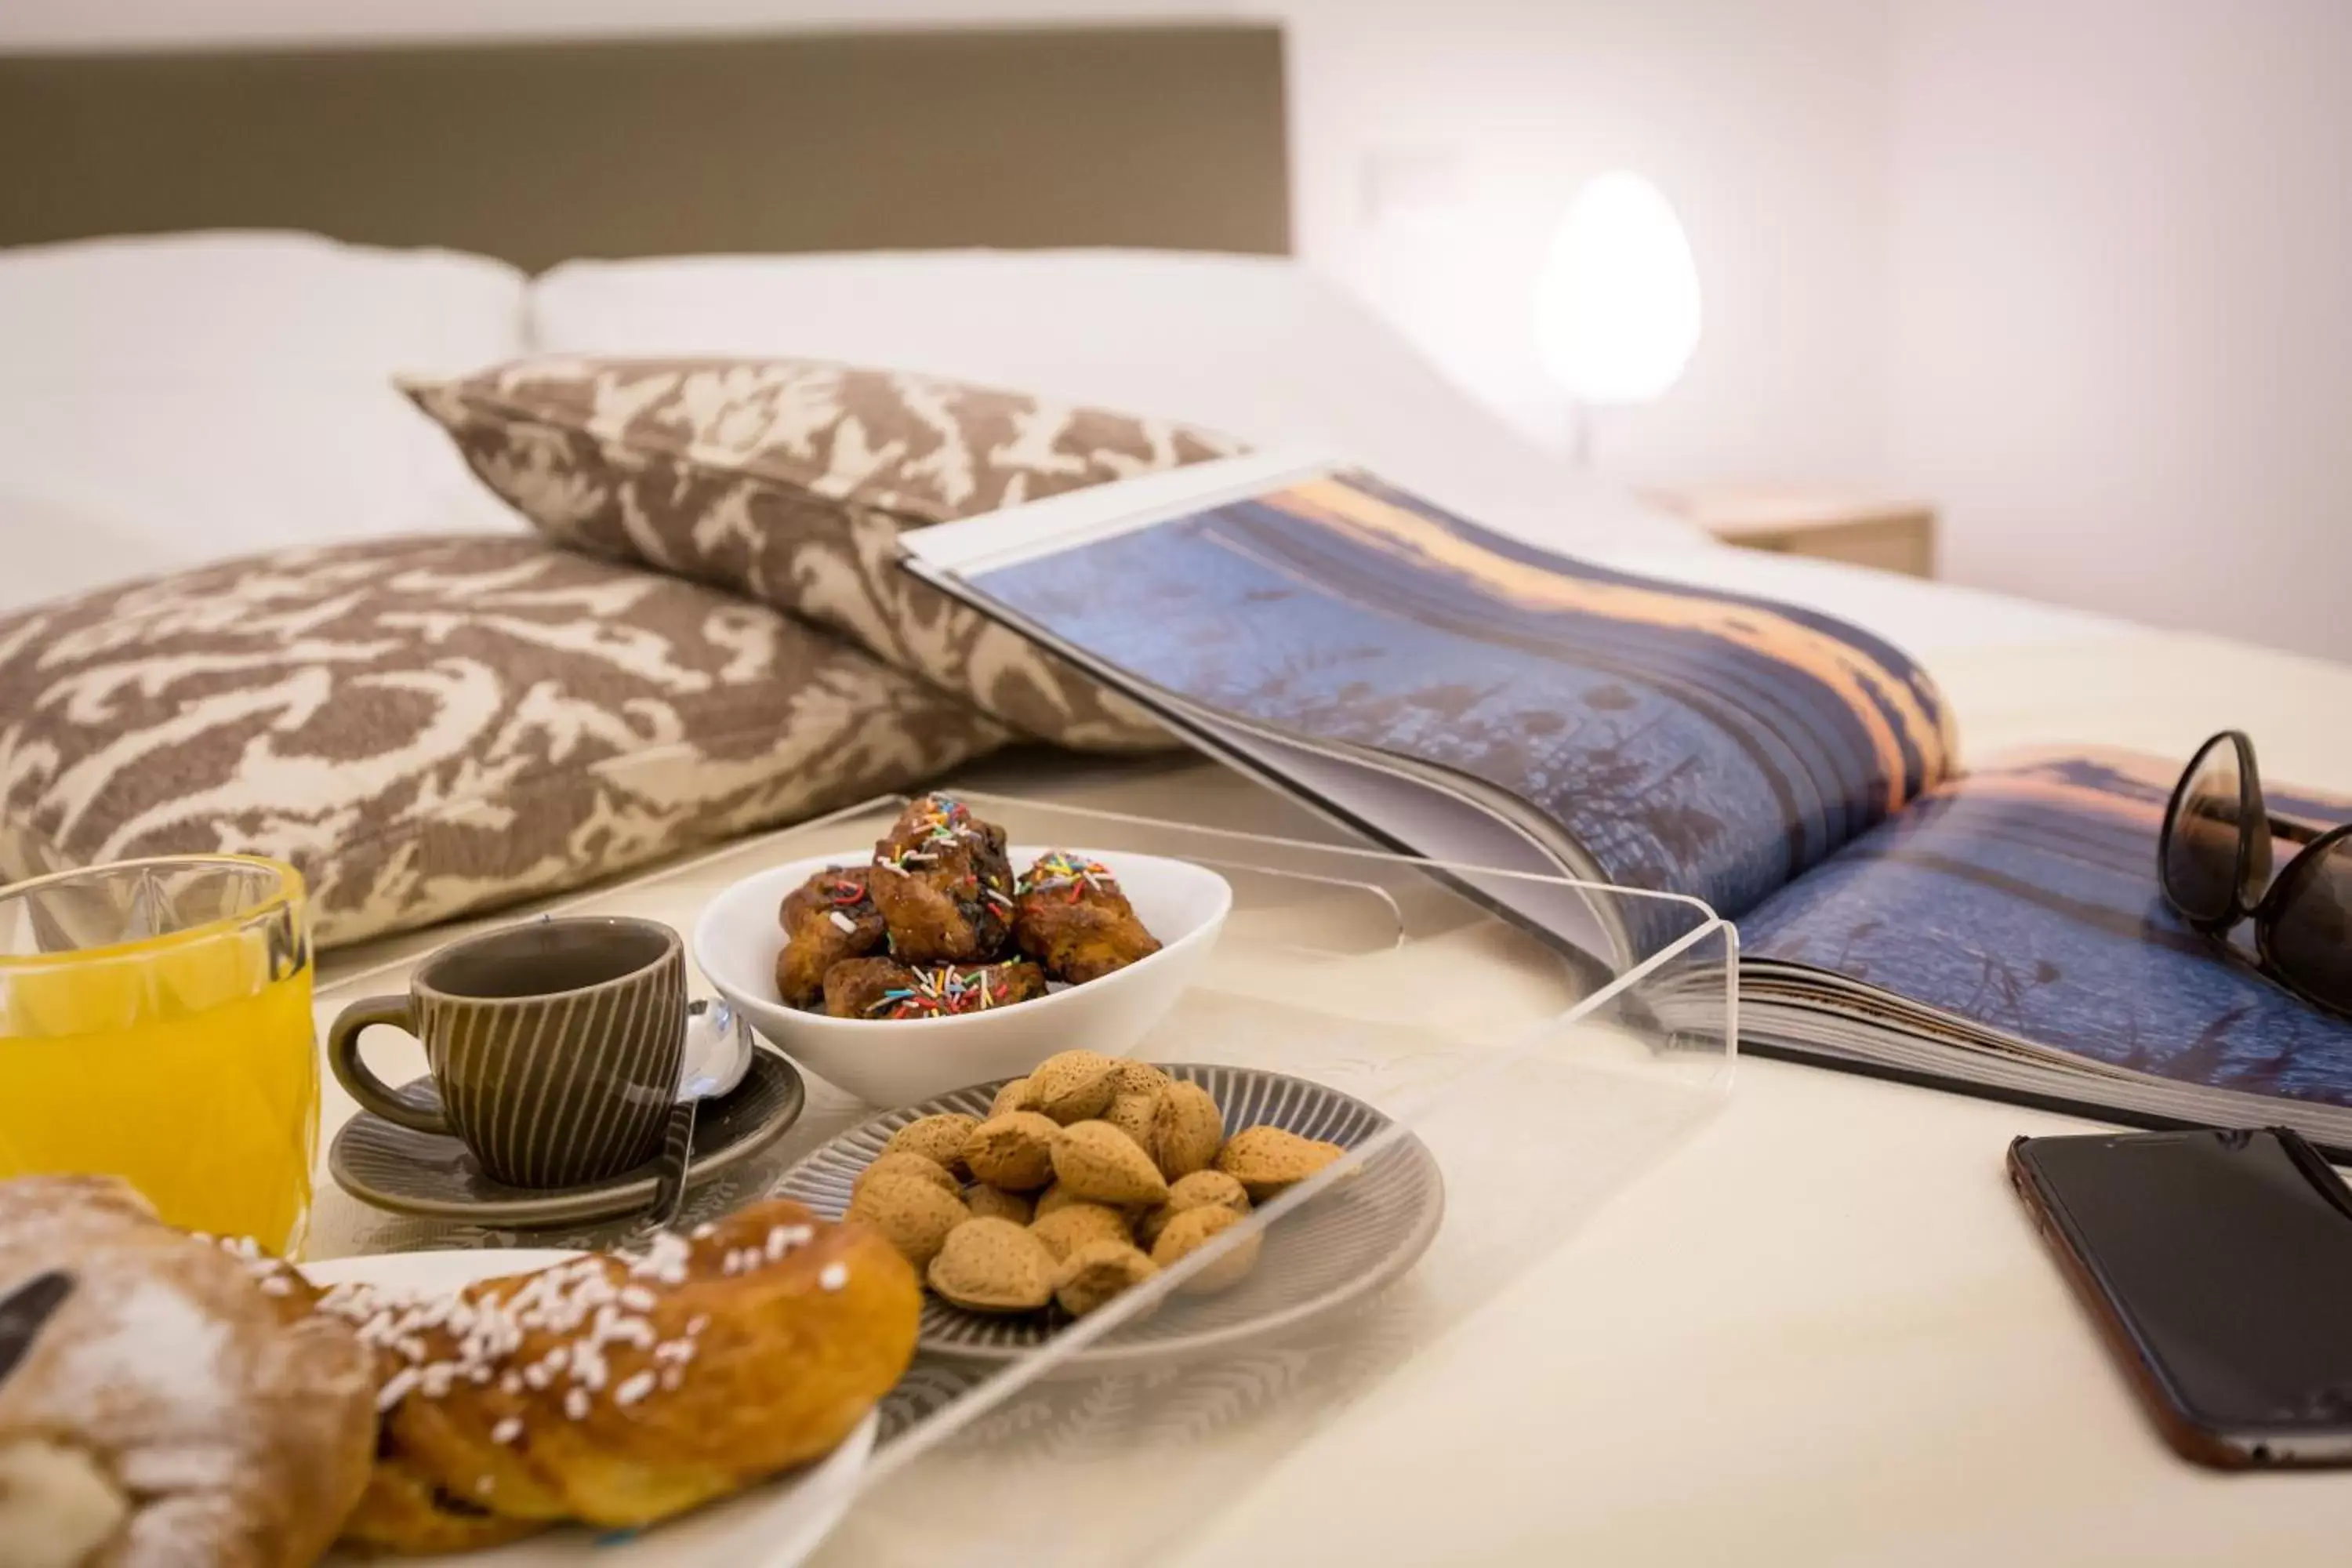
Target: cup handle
{"x": 359, "y": 1080}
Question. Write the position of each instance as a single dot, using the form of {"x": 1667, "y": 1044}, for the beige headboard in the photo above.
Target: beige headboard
{"x": 1159, "y": 136}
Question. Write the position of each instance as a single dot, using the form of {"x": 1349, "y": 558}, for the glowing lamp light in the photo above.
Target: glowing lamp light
{"x": 1617, "y": 307}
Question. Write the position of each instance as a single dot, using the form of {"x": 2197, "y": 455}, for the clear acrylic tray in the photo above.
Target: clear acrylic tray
{"x": 1532, "y": 1080}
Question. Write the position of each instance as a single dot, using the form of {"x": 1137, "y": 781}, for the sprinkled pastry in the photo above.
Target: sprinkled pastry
{"x": 943, "y": 884}
{"x": 885, "y": 988}
{"x": 829, "y": 918}
{"x": 620, "y": 1388}
{"x": 1071, "y": 917}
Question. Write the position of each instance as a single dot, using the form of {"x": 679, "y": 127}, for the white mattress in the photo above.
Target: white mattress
{"x": 182, "y": 398}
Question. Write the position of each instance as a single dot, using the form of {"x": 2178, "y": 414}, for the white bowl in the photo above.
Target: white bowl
{"x": 891, "y": 1061}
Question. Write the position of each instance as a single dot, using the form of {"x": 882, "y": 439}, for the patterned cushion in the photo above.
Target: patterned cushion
{"x": 789, "y": 480}
{"x": 431, "y": 725}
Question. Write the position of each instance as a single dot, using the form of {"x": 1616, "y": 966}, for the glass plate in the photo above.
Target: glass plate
{"x": 1538, "y": 1079}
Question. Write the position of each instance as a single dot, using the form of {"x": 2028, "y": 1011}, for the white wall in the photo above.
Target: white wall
{"x": 2075, "y": 269}
{"x": 2121, "y": 354}
{"x": 1763, "y": 123}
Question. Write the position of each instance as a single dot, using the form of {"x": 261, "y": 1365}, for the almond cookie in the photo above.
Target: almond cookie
{"x": 1137, "y": 1078}
{"x": 912, "y": 1166}
{"x": 1095, "y": 1160}
{"x": 1014, "y": 1151}
{"x": 1191, "y": 1230}
{"x": 1013, "y": 1096}
{"x": 1095, "y": 1273}
{"x": 1074, "y": 1225}
{"x": 1187, "y": 1127}
{"x": 993, "y": 1265}
{"x": 1200, "y": 1189}
{"x": 994, "y": 1203}
{"x": 1264, "y": 1160}
{"x": 1072, "y": 1086}
{"x": 938, "y": 1138}
{"x": 1133, "y": 1112}
{"x": 910, "y": 1214}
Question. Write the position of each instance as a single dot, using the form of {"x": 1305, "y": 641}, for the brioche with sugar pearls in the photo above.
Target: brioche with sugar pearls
{"x": 620, "y": 1389}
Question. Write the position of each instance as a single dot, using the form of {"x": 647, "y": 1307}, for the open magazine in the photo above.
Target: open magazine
{"x": 1470, "y": 698}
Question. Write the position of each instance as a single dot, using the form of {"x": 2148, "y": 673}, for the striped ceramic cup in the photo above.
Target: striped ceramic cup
{"x": 555, "y": 1046}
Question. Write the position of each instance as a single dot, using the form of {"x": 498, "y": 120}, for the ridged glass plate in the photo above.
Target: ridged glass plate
{"x": 1338, "y": 1249}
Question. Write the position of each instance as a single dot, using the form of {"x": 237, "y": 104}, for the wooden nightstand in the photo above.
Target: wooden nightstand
{"x": 1889, "y": 532}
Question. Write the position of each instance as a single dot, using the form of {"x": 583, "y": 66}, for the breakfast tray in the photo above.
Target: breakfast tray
{"x": 1534, "y": 1080}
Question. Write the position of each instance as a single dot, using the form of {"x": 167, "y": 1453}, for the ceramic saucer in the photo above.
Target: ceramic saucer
{"x": 437, "y": 1177}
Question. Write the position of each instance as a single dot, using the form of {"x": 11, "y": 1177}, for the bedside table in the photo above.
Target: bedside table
{"x": 1889, "y": 532}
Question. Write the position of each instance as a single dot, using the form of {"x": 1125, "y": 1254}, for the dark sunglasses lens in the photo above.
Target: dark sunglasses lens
{"x": 2309, "y": 936}
{"x": 2201, "y": 858}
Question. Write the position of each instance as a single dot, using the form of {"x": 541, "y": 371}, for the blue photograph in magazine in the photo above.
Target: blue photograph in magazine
{"x": 2024, "y": 898}
{"x": 1689, "y": 741}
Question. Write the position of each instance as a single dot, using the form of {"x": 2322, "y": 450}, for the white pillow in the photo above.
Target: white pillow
{"x": 1260, "y": 348}
{"x": 174, "y": 400}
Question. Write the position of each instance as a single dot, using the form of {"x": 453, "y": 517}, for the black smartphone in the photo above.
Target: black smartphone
{"x": 2219, "y": 1267}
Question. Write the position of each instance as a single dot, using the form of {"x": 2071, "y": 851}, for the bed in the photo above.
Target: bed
{"x": 1830, "y": 1273}
{"x": 1102, "y": 212}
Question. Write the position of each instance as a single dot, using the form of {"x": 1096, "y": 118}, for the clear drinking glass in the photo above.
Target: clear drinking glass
{"x": 155, "y": 1025}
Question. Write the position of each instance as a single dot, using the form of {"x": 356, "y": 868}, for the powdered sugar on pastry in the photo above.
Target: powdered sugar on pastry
{"x": 147, "y": 1333}
{"x": 234, "y": 1429}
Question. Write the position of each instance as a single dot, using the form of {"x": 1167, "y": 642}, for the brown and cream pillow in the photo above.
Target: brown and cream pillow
{"x": 791, "y": 479}
{"x": 432, "y": 725}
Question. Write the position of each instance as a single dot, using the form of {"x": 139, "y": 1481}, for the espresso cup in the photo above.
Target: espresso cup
{"x": 555, "y": 1046}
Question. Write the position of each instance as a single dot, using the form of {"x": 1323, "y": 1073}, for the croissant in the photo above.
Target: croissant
{"x": 619, "y": 1389}
{"x": 168, "y": 1405}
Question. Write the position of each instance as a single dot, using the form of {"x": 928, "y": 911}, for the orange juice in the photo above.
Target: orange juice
{"x": 183, "y": 1062}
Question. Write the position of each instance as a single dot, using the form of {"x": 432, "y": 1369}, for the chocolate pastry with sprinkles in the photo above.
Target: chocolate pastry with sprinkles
{"x": 943, "y": 884}
{"x": 885, "y": 988}
{"x": 829, "y": 918}
{"x": 1070, "y": 916}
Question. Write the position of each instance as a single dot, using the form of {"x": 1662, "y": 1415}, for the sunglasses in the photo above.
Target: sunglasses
{"x": 2213, "y": 860}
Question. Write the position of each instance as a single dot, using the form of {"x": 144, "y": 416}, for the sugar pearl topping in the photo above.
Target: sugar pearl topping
{"x": 269, "y": 1273}
{"x": 442, "y": 1341}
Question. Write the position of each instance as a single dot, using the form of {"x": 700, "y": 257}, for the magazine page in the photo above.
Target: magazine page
{"x": 1683, "y": 740}
{"x": 2023, "y": 899}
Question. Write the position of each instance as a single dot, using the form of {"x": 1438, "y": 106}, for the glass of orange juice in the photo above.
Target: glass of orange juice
{"x": 155, "y": 1025}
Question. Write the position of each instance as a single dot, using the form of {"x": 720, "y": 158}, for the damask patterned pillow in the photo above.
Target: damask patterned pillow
{"x": 427, "y": 726}
{"x": 789, "y": 480}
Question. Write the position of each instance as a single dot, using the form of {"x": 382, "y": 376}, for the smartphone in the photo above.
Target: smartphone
{"x": 2218, "y": 1266}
